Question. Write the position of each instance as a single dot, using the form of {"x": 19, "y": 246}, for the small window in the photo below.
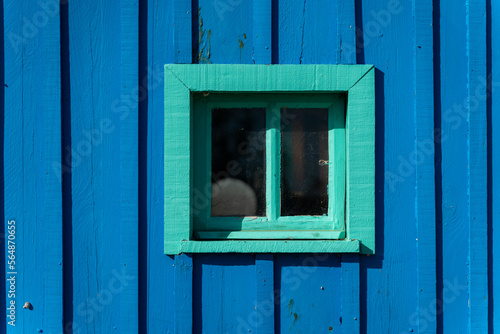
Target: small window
{"x": 259, "y": 161}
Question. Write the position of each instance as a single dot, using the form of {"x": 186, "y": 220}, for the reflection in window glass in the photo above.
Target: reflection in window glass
{"x": 238, "y": 162}
{"x": 304, "y": 158}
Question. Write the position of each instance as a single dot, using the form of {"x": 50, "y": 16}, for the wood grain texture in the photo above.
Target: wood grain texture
{"x": 495, "y": 163}
{"x": 350, "y": 263}
{"x": 32, "y": 148}
{"x": 454, "y": 170}
{"x": 425, "y": 189}
{"x": 104, "y": 60}
{"x": 104, "y": 164}
{"x": 160, "y": 270}
{"x": 262, "y": 45}
{"x": 388, "y": 279}
{"x": 309, "y": 294}
{"x": 183, "y": 293}
{"x": 350, "y": 293}
{"x": 477, "y": 168}
{"x": 266, "y": 293}
{"x": 180, "y": 152}
{"x": 130, "y": 87}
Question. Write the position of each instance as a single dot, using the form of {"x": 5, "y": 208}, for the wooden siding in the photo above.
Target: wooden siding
{"x": 82, "y": 154}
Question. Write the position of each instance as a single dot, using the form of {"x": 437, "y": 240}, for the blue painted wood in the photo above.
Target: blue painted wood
{"x": 3, "y": 292}
{"x": 309, "y": 294}
{"x": 182, "y": 31}
{"x": 224, "y": 294}
{"x": 183, "y": 293}
{"x": 424, "y": 170}
{"x": 350, "y": 263}
{"x": 32, "y": 193}
{"x": 183, "y": 272}
{"x": 494, "y": 135}
{"x": 303, "y": 28}
{"x": 262, "y": 31}
{"x": 454, "y": 163}
{"x": 160, "y": 271}
{"x": 225, "y": 32}
{"x": 390, "y": 285}
{"x": 350, "y": 285}
{"x": 346, "y": 32}
{"x": 129, "y": 163}
{"x": 104, "y": 166}
{"x": 391, "y": 291}
{"x": 477, "y": 168}
{"x": 265, "y": 303}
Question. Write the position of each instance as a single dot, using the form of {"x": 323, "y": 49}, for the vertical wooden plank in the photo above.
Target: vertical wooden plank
{"x": 182, "y": 31}
{"x": 14, "y": 153}
{"x": 52, "y": 186}
{"x": 160, "y": 269}
{"x": 304, "y": 26}
{"x": 453, "y": 138}
{"x": 225, "y": 32}
{"x": 264, "y": 280}
{"x": 183, "y": 293}
{"x": 308, "y": 293}
{"x": 477, "y": 167}
{"x": 3, "y": 263}
{"x": 262, "y": 43}
{"x": 32, "y": 152}
{"x": 129, "y": 163}
{"x": 388, "y": 279}
{"x": 350, "y": 263}
{"x": 424, "y": 145}
{"x": 99, "y": 114}
{"x": 495, "y": 162}
{"x": 183, "y": 282}
{"x": 350, "y": 293}
{"x": 228, "y": 281}
{"x": 346, "y": 32}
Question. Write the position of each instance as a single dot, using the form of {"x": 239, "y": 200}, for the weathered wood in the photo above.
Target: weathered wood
{"x": 32, "y": 238}
{"x": 159, "y": 298}
{"x": 454, "y": 166}
{"x": 494, "y": 155}
{"x": 95, "y": 46}
{"x": 425, "y": 190}
{"x": 129, "y": 163}
{"x": 477, "y": 168}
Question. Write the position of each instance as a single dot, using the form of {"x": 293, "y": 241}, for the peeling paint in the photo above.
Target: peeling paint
{"x": 204, "y": 42}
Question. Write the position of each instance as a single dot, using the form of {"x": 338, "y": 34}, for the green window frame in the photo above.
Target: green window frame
{"x": 347, "y": 91}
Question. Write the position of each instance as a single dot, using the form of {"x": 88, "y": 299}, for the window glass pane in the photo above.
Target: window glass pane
{"x": 238, "y": 162}
{"x": 304, "y": 158}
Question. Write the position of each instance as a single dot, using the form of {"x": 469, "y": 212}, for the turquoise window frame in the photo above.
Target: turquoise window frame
{"x": 194, "y": 90}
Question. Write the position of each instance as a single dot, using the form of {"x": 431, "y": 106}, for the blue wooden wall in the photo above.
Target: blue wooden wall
{"x": 82, "y": 177}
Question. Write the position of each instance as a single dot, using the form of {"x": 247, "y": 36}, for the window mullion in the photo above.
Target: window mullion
{"x": 337, "y": 143}
{"x": 273, "y": 159}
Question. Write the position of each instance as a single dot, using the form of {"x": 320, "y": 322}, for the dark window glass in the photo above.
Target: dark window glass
{"x": 304, "y": 162}
{"x": 238, "y": 162}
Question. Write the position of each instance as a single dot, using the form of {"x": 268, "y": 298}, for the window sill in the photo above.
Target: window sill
{"x": 263, "y": 246}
